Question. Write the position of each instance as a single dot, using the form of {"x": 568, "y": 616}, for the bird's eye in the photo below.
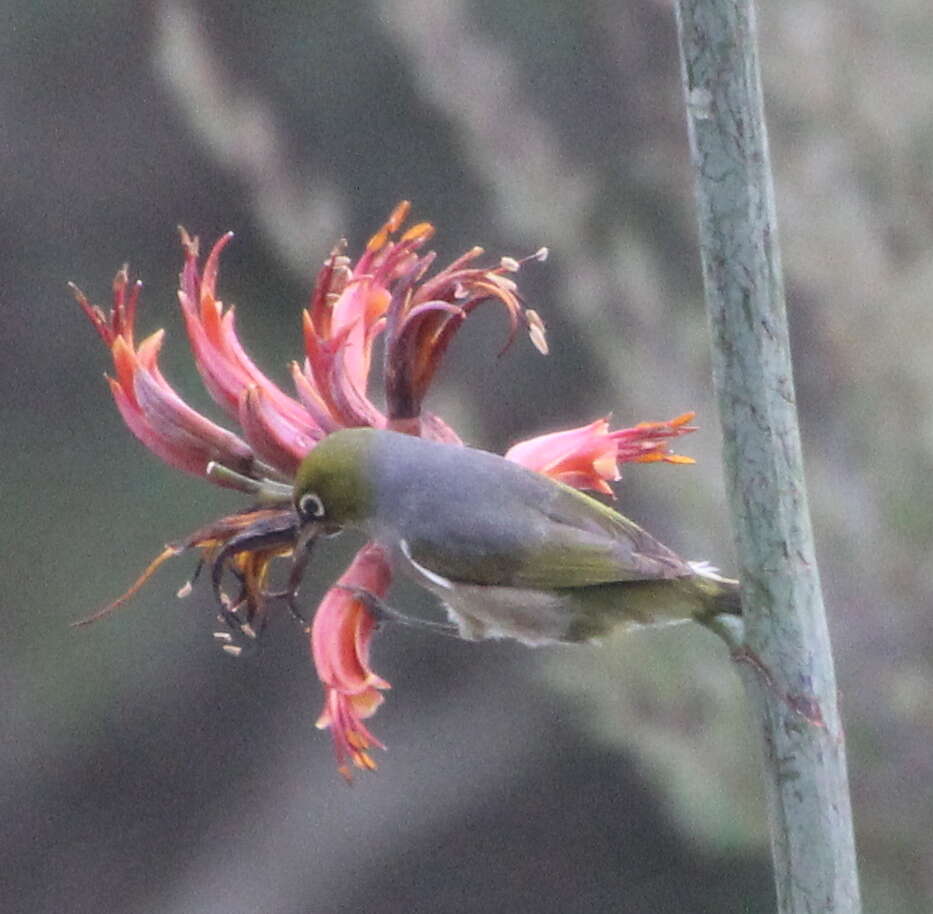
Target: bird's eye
{"x": 310, "y": 507}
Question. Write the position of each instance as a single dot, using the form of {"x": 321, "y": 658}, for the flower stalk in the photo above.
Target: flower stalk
{"x": 791, "y": 681}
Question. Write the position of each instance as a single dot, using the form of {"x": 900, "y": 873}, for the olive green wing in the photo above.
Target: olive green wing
{"x": 562, "y": 538}
{"x": 589, "y": 543}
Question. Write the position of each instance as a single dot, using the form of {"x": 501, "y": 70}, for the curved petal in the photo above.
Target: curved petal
{"x": 312, "y": 400}
{"x": 159, "y": 418}
{"x": 286, "y": 405}
{"x": 357, "y": 310}
{"x": 122, "y": 315}
{"x": 588, "y": 457}
{"x": 137, "y": 423}
{"x": 274, "y": 438}
{"x": 340, "y": 639}
{"x": 222, "y": 361}
{"x": 425, "y": 316}
{"x": 329, "y": 381}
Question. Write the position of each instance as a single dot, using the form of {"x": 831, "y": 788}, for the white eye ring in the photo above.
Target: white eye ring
{"x": 311, "y": 506}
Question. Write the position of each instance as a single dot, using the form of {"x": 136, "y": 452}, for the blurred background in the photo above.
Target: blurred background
{"x": 142, "y": 770}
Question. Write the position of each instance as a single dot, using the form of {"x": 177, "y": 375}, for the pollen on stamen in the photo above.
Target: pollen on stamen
{"x": 537, "y": 332}
{"x": 378, "y": 241}
{"x": 503, "y": 282}
{"x": 184, "y": 590}
{"x": 420, "y": 232}
{"x": 398, "y": 215}
{"x": 364, "y": 760}
{"x": 510, "y": 264}
{"x": 357, "y": 740}
{"x": 234, "y": 650}
{"x": 381, "y": 238}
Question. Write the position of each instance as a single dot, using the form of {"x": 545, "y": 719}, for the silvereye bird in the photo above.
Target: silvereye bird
{"x": 510, "y": 552}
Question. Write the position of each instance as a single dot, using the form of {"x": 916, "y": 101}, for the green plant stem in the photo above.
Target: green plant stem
{"x": 789, "y": 677}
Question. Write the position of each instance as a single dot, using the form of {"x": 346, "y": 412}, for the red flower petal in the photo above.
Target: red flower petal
{"x": 163, "y": 421}
{"x": 140, "y": 427}
{"x": 340, "y": 638}
{"x": 588, "y": 457}
{"x": 224, "y": 366}
{"x": 274, "y": 438}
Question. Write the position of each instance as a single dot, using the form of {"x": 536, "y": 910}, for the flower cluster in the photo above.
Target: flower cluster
{"x": 390, "y": 292}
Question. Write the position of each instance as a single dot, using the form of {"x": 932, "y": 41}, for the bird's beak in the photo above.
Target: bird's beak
{"x": 304, "y": 546}
{"x": 301, "y": 555}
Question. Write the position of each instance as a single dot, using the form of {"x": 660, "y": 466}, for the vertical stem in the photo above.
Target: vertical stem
{"x": 791, "y": 682}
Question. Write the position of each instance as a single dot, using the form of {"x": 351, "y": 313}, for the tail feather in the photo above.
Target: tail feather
{"x": 719, "y": 594}
{"x": 633, "y": 604}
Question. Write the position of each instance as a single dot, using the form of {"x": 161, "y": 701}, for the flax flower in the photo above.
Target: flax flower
{"x": 389, "y": 291}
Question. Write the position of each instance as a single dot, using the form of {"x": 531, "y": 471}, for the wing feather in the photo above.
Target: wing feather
{"x": 566, "y": 539}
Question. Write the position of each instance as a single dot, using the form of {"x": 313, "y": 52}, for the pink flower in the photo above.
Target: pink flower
{"x": 149, "y": 406}
{"x": 588, "y": 457}
{"x": 388, "y": 291}
{"x": 340, "y": 638}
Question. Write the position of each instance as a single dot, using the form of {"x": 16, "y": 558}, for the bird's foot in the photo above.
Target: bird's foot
{"x": 805, "y": 706}
{"x": 383, "y": 612}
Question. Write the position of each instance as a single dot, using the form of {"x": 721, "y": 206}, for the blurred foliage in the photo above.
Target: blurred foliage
{"x": 138, "y": 763}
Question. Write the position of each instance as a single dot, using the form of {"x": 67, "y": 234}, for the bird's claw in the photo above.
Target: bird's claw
{"x": 804, "y": 706}
{"x": 383, "y": 612}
